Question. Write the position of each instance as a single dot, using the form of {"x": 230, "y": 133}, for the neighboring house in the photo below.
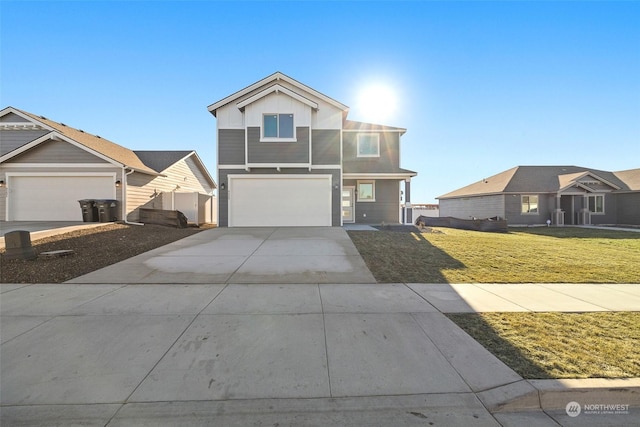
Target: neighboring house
{"x": 288, "y": 156}
{"x": 565, "y": 195}
{"x": 46, "y": 167}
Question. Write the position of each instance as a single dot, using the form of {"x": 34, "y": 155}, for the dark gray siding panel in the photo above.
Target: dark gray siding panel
{"x": 385, "y": 209}
{"x": 231, "y": 146}
{"x": 513, "y": 209}
{"x": 223, "y": 195}
{"x": 610, "y": 211}
{"x": 389, "y": 159}
{"x": 12, "y": 139}
{"x": 57, "y": 152}
{"x": 278, "y": 152}
{"x": 325, "y": 147}
{"x": 628, "y": 206}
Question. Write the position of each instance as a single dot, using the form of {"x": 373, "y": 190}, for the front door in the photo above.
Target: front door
{"x": 348, "y": 208}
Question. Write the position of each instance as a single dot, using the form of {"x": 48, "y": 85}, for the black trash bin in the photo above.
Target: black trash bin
{"x": 89, "y": 210}
{"x": 107, "y": 210}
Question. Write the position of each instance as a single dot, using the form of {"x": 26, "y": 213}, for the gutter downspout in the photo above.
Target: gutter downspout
{"x": 124, "y": 197}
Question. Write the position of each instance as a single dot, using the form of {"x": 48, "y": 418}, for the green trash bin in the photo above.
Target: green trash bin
{"x": 89, "y": 210}
{"x": 107, "y": 210}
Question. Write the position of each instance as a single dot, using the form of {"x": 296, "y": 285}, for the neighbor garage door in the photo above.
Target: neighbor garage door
{"x": 268, "y": 200}
{"x": 55, "y": 198}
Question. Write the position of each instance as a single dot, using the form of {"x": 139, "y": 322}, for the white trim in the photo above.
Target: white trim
{"x": 56, "y": 136}
{"x": 277, "y": 165}
{"x": 401, "y": 131}
{"x": 274, "y": 77}
{"x": 373, "y": 190}
{"x": 241, "y": 167}
{"x": 368, "y": 134}
{"x": 58, "y": 165}
{"x": 24, "y": 116}
{"x": 398, "y": 175}
{"x": 20, "y": 126}
{"x": 277, "y": 89}
{"x": 278, "y": 138}
{"x": 326, "y": 167}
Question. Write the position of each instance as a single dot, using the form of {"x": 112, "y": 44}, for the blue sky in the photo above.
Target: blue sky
{"x": 480, "y": 86}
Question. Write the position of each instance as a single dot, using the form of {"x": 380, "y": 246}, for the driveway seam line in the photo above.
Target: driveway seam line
{"x": 250, "y": 255}
{"x": 326, "y": 346}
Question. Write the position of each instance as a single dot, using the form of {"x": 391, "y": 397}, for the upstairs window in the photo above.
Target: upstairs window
{"x": 368, "y": 145}
{"x": 278, "y": 126}
{"x": 529, "y": 204}
{"x": 596, "y": 204}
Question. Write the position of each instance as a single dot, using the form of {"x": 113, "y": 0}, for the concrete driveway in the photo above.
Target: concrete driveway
{"x": 245, "y": 255}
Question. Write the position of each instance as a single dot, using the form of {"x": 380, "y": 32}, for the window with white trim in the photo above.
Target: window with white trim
{"x": 366, "y": 191}
{"x": 596, "y": 204}
{"x": 368, "y": 145}
{"x": 529, "y": 205}
{"x": 277, "y": 126}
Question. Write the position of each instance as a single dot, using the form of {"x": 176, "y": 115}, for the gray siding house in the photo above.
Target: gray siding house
{"x": 288, "y": 156}
{"x": 46, "y": 167}
{"x": 564, "y": 195}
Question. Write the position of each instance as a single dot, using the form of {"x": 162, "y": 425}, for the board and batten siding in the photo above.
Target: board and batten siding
{"x": 231, "y": 147}
{"x": 12, "y": 139}
{"x": 470, "y": 207}
{"x": 56, "y": 152}
{"x": 278, "y": 152}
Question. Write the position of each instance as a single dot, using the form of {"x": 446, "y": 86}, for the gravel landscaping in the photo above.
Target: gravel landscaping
{"x": 93, "y": 249}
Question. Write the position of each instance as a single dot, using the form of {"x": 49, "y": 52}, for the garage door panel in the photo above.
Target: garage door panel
{"x": 288, "y": 201}
{"x": 55, "y": 198}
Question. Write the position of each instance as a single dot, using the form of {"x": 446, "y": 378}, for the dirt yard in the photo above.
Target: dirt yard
{"x": 93, "y": 249}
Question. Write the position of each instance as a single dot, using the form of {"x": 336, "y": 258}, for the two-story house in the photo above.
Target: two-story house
{"x": 288, "y": 156}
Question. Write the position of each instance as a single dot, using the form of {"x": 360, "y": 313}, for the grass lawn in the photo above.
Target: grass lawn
{"x": 526, "y": 255}
{"x": 560, "y": 345}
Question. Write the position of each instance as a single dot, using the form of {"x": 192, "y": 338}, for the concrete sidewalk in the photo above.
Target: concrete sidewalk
{"x": 287, "y": 354}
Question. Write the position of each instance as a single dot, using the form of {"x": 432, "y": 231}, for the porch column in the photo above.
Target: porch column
{"x": 408, "y": 210}
{"x": 585, "y": 215}
{"x": 558, "y": 215}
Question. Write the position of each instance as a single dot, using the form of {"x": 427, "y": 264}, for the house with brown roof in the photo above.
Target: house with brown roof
{"x": 564, "y": 195}
{"x": 46, "y": 167}
{"x": 288, "y": 156}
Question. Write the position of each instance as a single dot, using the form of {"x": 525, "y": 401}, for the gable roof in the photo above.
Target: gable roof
{"x": 631, "y": 178}
{"x": 160, "y": 161}
{"x": 95, "y": 143}
{"x": 539, "y": 179}
{"x": 265, "y": 84}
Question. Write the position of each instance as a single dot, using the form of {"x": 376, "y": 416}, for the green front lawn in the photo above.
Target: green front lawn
{"x": 560, "y": 345}
{"x": 527, "y": 255}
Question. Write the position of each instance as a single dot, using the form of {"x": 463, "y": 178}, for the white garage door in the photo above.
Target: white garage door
{"x": 279, "y": 201}
{"x": 55, "y": 198}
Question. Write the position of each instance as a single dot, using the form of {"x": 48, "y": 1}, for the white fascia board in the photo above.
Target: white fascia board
{"x": 378, "y": 175}
{"x": 398, "y": 130}
{"x": 59, "y": 137}
{"x": 278, "y": 165}
{"x": 277, "y": 89}
{"x": 24, "y": 116}
{"x": 274, "y": 77}
{"x": 57, "y": 165}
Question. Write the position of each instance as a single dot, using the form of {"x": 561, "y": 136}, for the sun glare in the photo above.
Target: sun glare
{"x": 377, "y": 103}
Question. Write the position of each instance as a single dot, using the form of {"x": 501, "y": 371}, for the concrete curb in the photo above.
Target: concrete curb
{"x": 41, "y": 234}
{"x": 550, "y": 395}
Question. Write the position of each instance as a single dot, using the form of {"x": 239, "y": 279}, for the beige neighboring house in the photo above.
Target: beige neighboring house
{"x": 46, "y": 167}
